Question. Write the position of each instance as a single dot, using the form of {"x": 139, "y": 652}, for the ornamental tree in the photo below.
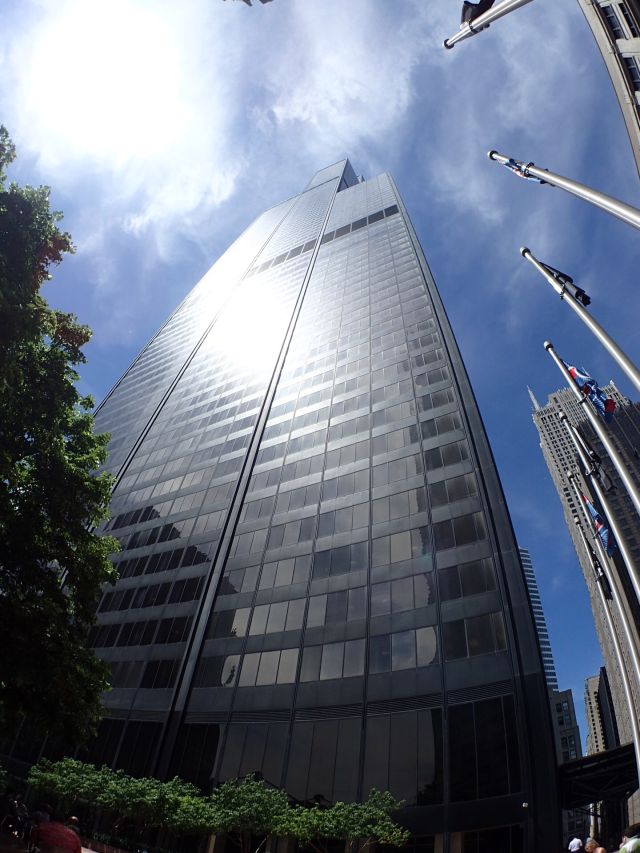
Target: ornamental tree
{"x": 246, "y": 808}
{"x": 359, "y": 825}
{"x": 52, "y": 564}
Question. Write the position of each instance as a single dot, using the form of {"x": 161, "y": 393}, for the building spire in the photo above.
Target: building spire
{"x": 535, "y": 403}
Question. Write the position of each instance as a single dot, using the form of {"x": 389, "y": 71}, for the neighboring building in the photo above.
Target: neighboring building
{"x": 608, "y": 817}
{"x": 563, "y": 714}
{"x": 601, "y": 720}
{"x": 616, "y": 29}
{"x": 540, "y": 621}
{"x": 568, "y": 746}
{"x": 596, "y": 741}
{"x": 560, "y": 456}
{"x": 318, "y": 577}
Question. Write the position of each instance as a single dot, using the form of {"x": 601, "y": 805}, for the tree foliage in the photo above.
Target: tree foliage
{"x": 50, "y": 499}
{"x": 247, "y": 807}
{"x": 357, "y": 824}
{"x": 247, "y": 811}
{"x": 147, "y": 802}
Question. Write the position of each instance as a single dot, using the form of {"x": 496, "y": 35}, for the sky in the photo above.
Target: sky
{"x": 163, "y": 129}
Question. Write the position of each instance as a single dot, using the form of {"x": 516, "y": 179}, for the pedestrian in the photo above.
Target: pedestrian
{"x": 470, "y": 11}
{"x": 73, "y": 823}
{"x": 631, "y": 839}
{"x": 42, "y": 814}
{"x": 592, "y": 846}
{"x": 20, "y": 814}
{"x": 55, "y": 837}
{"x": 575, "y": 845}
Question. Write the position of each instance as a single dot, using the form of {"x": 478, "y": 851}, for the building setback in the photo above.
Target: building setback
{"x": 616, "y": 29}
{"x": 318, "y": 576}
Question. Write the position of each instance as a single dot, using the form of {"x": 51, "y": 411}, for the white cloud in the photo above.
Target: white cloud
{"x": 133, "y": 96}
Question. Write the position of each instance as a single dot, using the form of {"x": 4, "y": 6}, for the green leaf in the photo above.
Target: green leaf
{"x": 50, "y": 497}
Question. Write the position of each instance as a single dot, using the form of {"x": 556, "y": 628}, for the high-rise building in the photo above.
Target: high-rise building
{"x": 563, "y": 715}
{"x": 609, "y": 816}
{"x": 318, "y": 576}
{"x": 540, "y": 621}
{"x": 568, "y": 747}
{"x": 616, "y": 28}
{"x": 601, "y": 731}
{"x": 560, "y": 456}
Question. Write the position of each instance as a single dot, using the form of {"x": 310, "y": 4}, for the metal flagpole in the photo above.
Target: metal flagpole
{"x": 617, "y": 208}
{"x": 622, "y": 666}
{"x": 472, "y": 29}
{"x": 594, "y": 420}
{"x": 564, "y": 290}
{"x": 591, "y": 472}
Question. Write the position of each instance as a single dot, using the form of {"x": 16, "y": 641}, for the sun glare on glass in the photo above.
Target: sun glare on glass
{"x": 250, "y": 328}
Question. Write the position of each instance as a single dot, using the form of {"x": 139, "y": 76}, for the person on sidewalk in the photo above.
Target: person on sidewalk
{"x": 631, "y": 839}
{"x": 55, "y": 837}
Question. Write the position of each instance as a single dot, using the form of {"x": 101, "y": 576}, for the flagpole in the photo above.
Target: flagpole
{"x": 594, "y": 420}
{"x": 605, "y": 339}
{"x": 623, "y": 211}
{"x": 472, "y": 29}
{"x": 587, "y": 464}
{"x": 622, "y": 665}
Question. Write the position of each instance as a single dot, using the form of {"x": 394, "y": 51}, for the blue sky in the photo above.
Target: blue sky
{"x": 164, "y": 128}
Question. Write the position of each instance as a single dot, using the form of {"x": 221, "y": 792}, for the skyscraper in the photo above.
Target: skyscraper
{"x": 563, "y": 714}
{"x": 540, "y": 621}
{"x": 616, "y": 29}
{"x": 560, "y": 456}
{"x": 318, "y": 575}
{"x": 602, "y": 733}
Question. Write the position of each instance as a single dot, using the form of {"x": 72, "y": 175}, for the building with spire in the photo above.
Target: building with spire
{"x": 560, "y": 456}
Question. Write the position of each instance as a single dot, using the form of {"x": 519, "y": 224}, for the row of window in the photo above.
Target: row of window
{"x": 461, "y": 638}
{"x": 385, "y": 390}
{"x": 387, "y": 653}
{"x": 477, "y": 635}
{"x": 395, "y": 596}
{"x": 161, "y": 632}
{"x": 386, "y": 550}
{"x": 152, "y": 596}
{"x": 156, "y": 674}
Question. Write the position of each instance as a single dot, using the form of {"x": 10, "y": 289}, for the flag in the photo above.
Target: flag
{"x": 521, "y": 170}
{"x": 601, "y": 528}
{"x": 596, "y": 464}
{"x": 564, "y": 279}
{"x": 590, "y": 388}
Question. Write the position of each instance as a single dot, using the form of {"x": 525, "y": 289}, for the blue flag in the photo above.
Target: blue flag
{"x": 601, "y": 528}
{"x": 605, "y": 406}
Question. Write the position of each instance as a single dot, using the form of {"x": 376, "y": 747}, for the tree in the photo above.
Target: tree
{"x": 248, "y": 807}
{"x": 361, "y": 824}
{"x": 50, "y": 496}
{"x": 247, "y": 811}
{"x": 146, "y": 803}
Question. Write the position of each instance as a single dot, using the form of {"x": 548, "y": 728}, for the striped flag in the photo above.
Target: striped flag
{"x": 601, "y": 528}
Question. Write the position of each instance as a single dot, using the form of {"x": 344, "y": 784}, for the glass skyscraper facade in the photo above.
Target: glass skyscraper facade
{"x": 540, "y": 622}
{"x": 318, "y": 576}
